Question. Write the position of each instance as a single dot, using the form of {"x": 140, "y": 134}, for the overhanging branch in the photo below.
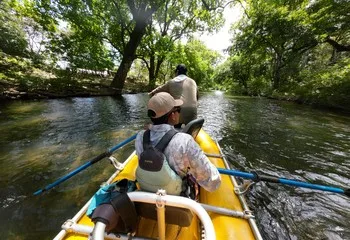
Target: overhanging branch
{"x": 337, "y": 46}
{"x": 206, "y": 6}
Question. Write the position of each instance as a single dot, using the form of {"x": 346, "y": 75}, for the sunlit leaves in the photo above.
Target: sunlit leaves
{"x": 200, "y": 61}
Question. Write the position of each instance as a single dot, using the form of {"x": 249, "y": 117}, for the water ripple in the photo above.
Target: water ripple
{"x": 44, "y": 140}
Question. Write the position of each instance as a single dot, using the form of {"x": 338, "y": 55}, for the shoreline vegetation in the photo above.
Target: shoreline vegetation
{"x": 19, "y": 80}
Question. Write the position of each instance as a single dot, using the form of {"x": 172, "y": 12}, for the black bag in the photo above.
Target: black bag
{"x": 112, "y": 204}
{"x": 151, "y": 159}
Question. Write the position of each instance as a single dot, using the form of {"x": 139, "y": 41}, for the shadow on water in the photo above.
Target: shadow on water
{"x": 44, "y": 140}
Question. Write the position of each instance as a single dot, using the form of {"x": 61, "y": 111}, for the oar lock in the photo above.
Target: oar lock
{"x": 115, "y": 163}
{"x": 247, "y": 184}
{"x": 244, "y": 187}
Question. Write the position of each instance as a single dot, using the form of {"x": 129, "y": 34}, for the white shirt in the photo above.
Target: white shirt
{"x": 180, "y": 78}
{"x": 184, "y": 156}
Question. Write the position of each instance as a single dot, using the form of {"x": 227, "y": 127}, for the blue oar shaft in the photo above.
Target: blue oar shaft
{"x": 235, "y": 173}
{"x": 86, "y": 165}
{"x": 295, "y": 183}
{"x": 310, "y": 185}
{"x": 64, "y": 178}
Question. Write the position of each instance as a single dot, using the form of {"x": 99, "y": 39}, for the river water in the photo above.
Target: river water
{"x": 41, "y": 141}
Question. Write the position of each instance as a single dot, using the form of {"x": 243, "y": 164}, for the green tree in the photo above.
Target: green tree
{"x": 172, "y": 21}
{"x": 122, "y": 24}
{"x": 12, "y": 38}
{"x": 330, "y": 21}
{"x": 83, "y": 51}
{"x": 277, "y": 33}
{"x": 298, "y": 50}
{"x": 200, "y": 61}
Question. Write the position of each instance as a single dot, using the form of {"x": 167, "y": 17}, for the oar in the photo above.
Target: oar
{"x": 86, "y": 165}
{"x": 255, "y": 177}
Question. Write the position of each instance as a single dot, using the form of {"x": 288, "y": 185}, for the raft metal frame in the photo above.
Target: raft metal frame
{"x": 241, "y": 198}
{"x": 71, "y": 225}
{"x": 160, "y": 199}
{"x": 83, "y": 210}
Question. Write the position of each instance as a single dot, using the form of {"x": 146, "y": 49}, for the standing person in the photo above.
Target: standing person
{"x": 183, "y": 156}
{"x": 184, "y": 88}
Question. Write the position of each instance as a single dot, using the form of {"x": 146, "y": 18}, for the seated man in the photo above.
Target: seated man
{"x": 184, "y": 88}
{"x": 183, "y": 156}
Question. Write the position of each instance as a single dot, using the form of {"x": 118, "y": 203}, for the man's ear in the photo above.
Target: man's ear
{"x": 171, "y": 117}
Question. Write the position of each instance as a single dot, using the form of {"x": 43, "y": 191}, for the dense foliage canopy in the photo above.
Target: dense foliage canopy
{"x": 296, "y": 50}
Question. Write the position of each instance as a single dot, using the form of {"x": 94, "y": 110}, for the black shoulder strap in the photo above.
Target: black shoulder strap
{"x": 162, "y": 143}
{"x": 165, "y": 140}
{"x": 146, "y": 139}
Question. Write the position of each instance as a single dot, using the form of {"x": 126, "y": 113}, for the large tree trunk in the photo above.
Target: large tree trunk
{"x": 159, "y": 63}
{"x": 277, "y": 72}
{"x": 151, "y": 73}
{"x": 129, "y": 55}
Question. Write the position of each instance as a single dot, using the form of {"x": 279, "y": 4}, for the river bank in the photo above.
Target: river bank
{"x": 21, "y": 79}
{"x": 92, "y": 86}
{"x": 313, "y": 103}
{"x": 38, "y": 84}
{"x": 86, "y": 87}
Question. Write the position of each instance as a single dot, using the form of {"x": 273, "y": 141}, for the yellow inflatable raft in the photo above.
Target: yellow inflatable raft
{"x": 222, "y": 214}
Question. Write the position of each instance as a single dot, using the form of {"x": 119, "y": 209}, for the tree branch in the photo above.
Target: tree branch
{"x": 113, "y": 45}
{"x": 337, "y": 46}
{"x": 164, "y": 30}
{"x": 245, "y": 10}
{"x": 206, "y": 6}
{"x": 132, "y": 7}
{"x": 122, "y": 23}
{"x": 145, "y": 61}
{"x": 183, "y": 30}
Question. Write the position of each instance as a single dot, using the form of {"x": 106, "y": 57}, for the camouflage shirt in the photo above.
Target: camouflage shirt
{"x": 184, "y": 156}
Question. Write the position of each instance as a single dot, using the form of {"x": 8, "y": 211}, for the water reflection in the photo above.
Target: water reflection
{"x": 213, "y": 108}
{"x": 283, "y": 139}
{"x": 44, "y": 140}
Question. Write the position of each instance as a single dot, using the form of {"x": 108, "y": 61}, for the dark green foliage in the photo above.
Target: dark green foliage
{"x": 84, "y": 52}
{"x": 297, "y": 50}
{"x": 292, "y": 50}
{"x": 200, "y": 61}
{"x": 12, "y": 38}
